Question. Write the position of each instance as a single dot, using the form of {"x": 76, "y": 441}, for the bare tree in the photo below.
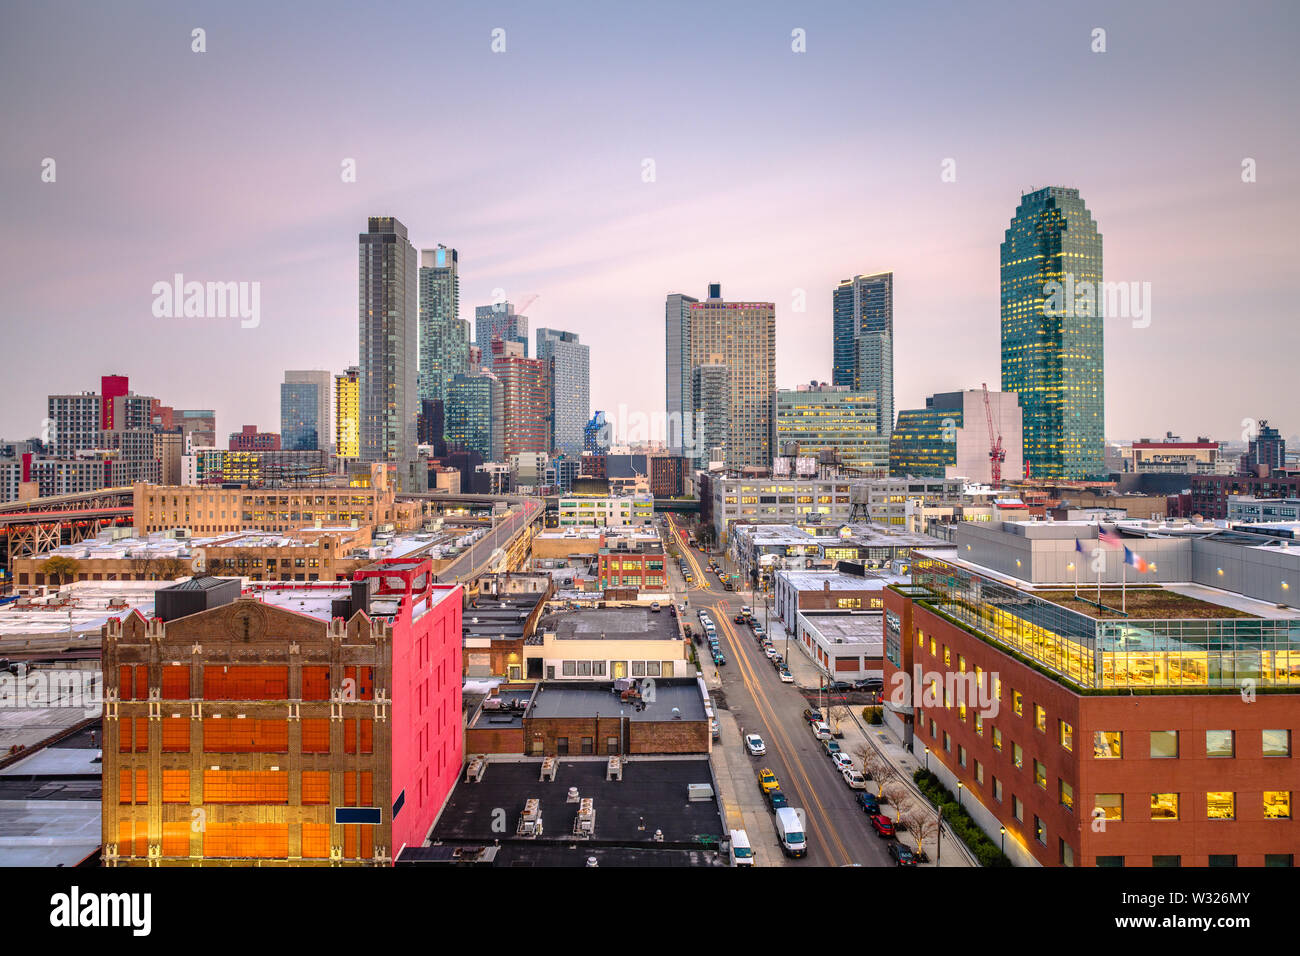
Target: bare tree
{"x": 170, "y": 568}
{"x": 837, "y": 713}
{"x": 922, "y": 822}
{"x": 145, "y": 567}
{"x": 897, "y": 793}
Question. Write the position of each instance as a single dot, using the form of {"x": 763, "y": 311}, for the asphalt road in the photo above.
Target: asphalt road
{"x": 838, "y": 831}
{"x": 470, "y": 560}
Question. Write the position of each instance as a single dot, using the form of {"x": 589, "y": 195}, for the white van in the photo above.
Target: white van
{"x": 742, "y": 854}
{"x": 790, "y": 832}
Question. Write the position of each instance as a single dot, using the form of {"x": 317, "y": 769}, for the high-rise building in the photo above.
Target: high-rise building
{"x": 526, "y": 408}
{"x": 595, "y": 435}
{"x": 199, "y": 426}
{"x": 863, "y": 332}
{"x": 430, "y": 425}
{"x": 249, "y": 438}
{"x": 1052, "y": 350}
{"x": 111, "y": 387}
{"x": 322, "y": 379}
{"x": 387, "y": 344}
{"x": 568, "y": 369}
{"x": 300, "y": 427}
{"x": 499, "y": 321}
{"x": 444, "y": 336}
{"x": 835, "y": 423}
{"x": 1267, "y": 448}
{"x": 347, "y": 414}
{"x": 711, "y": 408}
{"x": 742, "y": 337}
{"x": 473, "y": 413}
{"x": 949, "y": 438}
{"x": 677, "y": 336}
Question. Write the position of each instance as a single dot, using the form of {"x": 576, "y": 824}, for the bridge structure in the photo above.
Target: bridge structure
{"x": 40, "y": 524}
{"x": 505, "y": 547}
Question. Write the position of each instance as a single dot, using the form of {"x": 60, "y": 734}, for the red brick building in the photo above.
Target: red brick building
{"x": 635, "y": 563}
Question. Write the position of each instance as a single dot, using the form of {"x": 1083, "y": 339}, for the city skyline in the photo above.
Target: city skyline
{"x": 585, "y": 229}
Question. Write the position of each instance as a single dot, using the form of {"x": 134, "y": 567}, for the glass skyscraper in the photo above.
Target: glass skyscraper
{"x": 1052, "y": 312}
{"x": 569, "y": 381}
{"x": 499, "y": 321}
{"x": 444, "y": 336}
{"x": 677, "y": 360}
{"x": 473, "y": 412}
{"x": 862, "y": 329}
{"x": 299, "y": 417}
{"x": 834, "y": 419}
{"x": 387, "y": 343}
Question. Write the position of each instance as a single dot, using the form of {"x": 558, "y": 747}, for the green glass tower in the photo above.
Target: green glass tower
{"x": 1052, "y": 349}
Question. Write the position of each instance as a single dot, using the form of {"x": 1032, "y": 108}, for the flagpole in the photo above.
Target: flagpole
{"x": 1123, "y": 587}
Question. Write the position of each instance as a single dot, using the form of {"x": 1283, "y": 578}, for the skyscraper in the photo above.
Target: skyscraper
{"x": 595, "y": 435}
{"x": 444, "y": 336}
{"x": 1052, "y": 352}
{"x": 677, "y": 342}
{"x": 742, "y": 337}
{"x": 347, "y": 414}
{"x": 474, "y": 414}
{"x": 711, "y": 405}
{"x": 322, "y": 380}
{"x": 568, "y": 368}
{"x": 863, "y": 332}
{"x": 387, "y": 344}
{"x": 299, "y": 422}
{"x": 524, "y": 399}
{"x": 499, "y": 321}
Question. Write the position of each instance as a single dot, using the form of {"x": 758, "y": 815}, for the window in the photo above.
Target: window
{"x": 1279, "y": 859}
{"x": 947, "y": 742}
{"x": 1067, "y": 796}
{"x": 1221, "y": 805}
{"x": 588, "y": 745}
{"x": 1040, "y": 831}
{"x": 979, "y": 773}
{"x": 1040, "y": 775}
{"x": 1167, "y": 861}
{"x": 1067, "y": 854}
{"x": 1219, "y": 743}
{"x": 1018, "y": 703}
{"x": 997, "y": 789}
{"x": 1017, "y": 756}
{"x": 947, "y": 656}
{"x": 1066, "y": 735}
{"x": 1108, "y": 744}
{"x": 611, "y": 745}
{"x": 1277, "y": 804}
{"x": 1017, "y": 808}
{"x": 1110, "y": 861}
{"x": 562, "y": 745}
{"x": 1111, "y": 805}
{"x": 1040, "y": 718}
{"x": 1164, "y": 744}
{"x": 979, "y": 724}
{"x": 961, "y": 756}
{"x": 1277, "y": 743}
{"x": 1164, "y": 806}
{"x": 1223, "y": 859}
{"x": 997, "y": 739}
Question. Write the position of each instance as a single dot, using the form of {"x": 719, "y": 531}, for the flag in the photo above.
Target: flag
{"x": 1135, "y": 560}
{"x": 1110, "y": 537}
{"x": 1078, "y": 546}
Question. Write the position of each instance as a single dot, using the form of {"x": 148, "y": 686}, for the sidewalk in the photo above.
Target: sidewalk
{"x": 742, "y": 803}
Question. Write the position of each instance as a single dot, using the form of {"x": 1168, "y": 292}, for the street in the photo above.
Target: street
{"x": 838, "y": 831}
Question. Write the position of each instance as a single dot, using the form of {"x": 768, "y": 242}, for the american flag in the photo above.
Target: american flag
{"x": 1110, "y": 537}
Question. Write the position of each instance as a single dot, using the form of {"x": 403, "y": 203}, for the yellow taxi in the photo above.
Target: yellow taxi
{"x": 767, "y": 780}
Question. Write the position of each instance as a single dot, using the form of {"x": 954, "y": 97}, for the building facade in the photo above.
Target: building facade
{"x": 474, "y": 415}
{"x": 568, "y": 370}
{"x": 949, "y": 438}
{"x": 323, "y": 383}
{"x": 387, "y": 342}
{"x": 525, "y": 398}
{"x": 832, "y": 423}
{"x": 862, "y": 329}
{"x": 300, "y": 425}
{"x": 347, "y": 415}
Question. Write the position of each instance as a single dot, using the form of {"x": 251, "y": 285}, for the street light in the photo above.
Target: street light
{"x": 1003, "y": 831}
{"x": 959, "y": 786}
{"x": 927, "y": 759}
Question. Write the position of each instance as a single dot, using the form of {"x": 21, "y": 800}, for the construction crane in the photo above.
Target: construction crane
{"x": 997, "y": 454}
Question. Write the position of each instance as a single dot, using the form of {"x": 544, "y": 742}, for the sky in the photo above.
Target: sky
{"x": 775, "y": 172}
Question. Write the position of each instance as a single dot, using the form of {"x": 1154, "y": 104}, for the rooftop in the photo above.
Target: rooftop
{"x": 839, "y": 627}
{"x": 1140, "y": 602}
{"x": 838, "y": 580}
{"x": 588, "y": 699}
{"x": 612, "y": 624}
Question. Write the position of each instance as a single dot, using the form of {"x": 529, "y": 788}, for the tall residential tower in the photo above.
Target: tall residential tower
{"x": 863, "y": 332}
{"x": 568, "y": 369}
{"x": 444, "y": 336}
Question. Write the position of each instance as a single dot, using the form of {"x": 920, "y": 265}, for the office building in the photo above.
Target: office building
{"x": 499, "y": 321}
{"x": 299, "y": 417}
{"x": 322, "y": 380}
{"x": 568, "y": 370}
{"x": 863, "y": 335}
{"x": 248, "y": 438}
{"x": 311, "y": 724}
{"x": 475, "y": 416}
{"x": 601, "y": 511}
{"x": 444, "y": 335}
{"x": 1173, "y": 456}
{"x": 833, "y": 424}
{"x": 949, "y": 438}
{"x": 1052, "y": 343}
{"x": 677, "y": 351}
{"x": 199, "y": 426}
{"x": 711, "y": 408}
{"x": 387, "y": 337}
{"x": 1266, "y": 449}
{"x": 596, "y": 435}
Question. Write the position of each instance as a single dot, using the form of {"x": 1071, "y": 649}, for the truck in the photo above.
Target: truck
{"x": 789, "y": 830}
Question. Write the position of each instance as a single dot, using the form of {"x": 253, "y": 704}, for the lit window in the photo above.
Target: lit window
{"x": 1219, "y": 805}
{"x": 1108, "y": 744}
{"x": 1111, "y": 805}
{"x": 1164, "y": 744}
{"x": 1219, "y": 743}
{"x": 1277, "y": 805}
{"x": 1040, "y": 718}
{"x": 1067, "y": 735}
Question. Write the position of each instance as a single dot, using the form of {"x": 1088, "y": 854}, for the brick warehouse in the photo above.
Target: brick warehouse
{"x": 1148, "y": 754}
{"x": 295, "y": 724}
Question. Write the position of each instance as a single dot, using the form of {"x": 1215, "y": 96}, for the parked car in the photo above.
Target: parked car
{"x": 842, "y": 762}
{"x": 719, "y": 658}
{"x": 775, "y": 799}
{"x": 746, "y": 611}
{"x": 654, "y": 607}
{"x": 754, "y": 744}
{"x": 839, "y": 687}
{"x": 786, "y": 676}
{"x": 778, "y": 661}
{"x": 903, "y": 855}
{"x": 812, "y": 716}
{"x": 715, "y": 728}
{"x": 869, "y": 803}
{"x": 883, "y": 826}
{"x": 869, "y": 683}
{"x": 831, "y": 746}
{"x": 767, "y": 780}
{"x": 854, "y": 779}
{"x": 770, "y": 651}
{"x": 739, "y": 619}
{"x": 821, "y": 731}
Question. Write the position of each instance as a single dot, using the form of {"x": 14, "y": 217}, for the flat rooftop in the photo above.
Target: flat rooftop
{"x": 511, "y": 714}
{"x": 838, "y": 580}
{"x": 314, "y": 598}
{"x": 1155, "y": 603}
{"x": 652, "y": 794}
{"x": 588, "y": 698}
{"x": 842, "y": 628}
{"x": 50, "y": 803}
{"x": 613, "y": 624}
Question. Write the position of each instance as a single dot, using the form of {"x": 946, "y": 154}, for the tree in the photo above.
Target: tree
{"x": 882, "y": 771}
{"x": 145, "y": 567}
{"x": 170, "y": 567}
{"x": 897, "y": 793}
{"x": 60, "y": 567}
{"x": 922, "y": 822}
{"x": 838, "y": 713}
